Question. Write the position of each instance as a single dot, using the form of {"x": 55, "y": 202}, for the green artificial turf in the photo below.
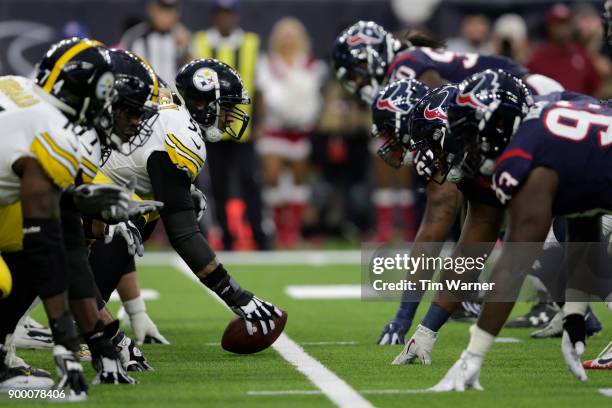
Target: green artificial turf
{"x": 195, "y": 372}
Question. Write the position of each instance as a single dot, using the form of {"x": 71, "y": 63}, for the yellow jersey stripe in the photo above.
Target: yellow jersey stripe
{"x": 186, "y": 150}
{"x": 63, "y": 60}
{"x": 55, "y": 169}
{"x": 182, "y": 161}
{"x": 60, "y": 151}
{"x": 90, "y": 165}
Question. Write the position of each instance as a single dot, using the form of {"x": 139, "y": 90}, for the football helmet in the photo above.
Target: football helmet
{"x": 361, "y": 55}
{"x": 211, "y": 91}
{"x": 482, "y": 118}
{"x": 390, "y": 112}
{"x": 79, "y": 76}
{"x": 135, "y": 107}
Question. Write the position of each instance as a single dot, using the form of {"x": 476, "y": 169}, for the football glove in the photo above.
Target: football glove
{"x": 139, "y": 208}
{"x": 424, "y": 164}
{"x": 464, "y": 374}
{"x": 110, "y": 371}
{"x": 200, "y": 202}
{"x": 573, "y": 344}
{"x": 70, "y": 374}
{"x": 258, "y": 312}
{"x": 108, "y": 202}
{"x": 419, "y": 347}
{"x": 130, "y": 234}
{"x": 394, "y": 332}
{"x": 130, "y": 355}
{"x": 145, "y": 331}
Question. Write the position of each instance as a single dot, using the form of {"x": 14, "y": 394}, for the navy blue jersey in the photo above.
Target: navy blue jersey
{"x": 573, "y": 138}
{"x": 452, "y": 66}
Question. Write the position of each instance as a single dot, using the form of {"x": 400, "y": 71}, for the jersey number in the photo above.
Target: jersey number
{"x": 446, "y": 57}
{"x": 575, "y": 124}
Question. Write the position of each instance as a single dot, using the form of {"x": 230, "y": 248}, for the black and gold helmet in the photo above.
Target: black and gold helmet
{"x": 212, "y": 90}
{"x": 135, "y": 107}
{"x": 78, "y": 73}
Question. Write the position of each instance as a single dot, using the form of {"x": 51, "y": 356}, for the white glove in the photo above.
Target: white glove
{"x": 260, "y": 312}
{"x": 138, "y": 208}
{"x": 464, "y": 374}
{"x": 419, "y": 347}
{"x": 572, "y": 354}
{"x": 200, "y": 201}
{"x": 144, "y": 329}
{"x": 130, "y": 234}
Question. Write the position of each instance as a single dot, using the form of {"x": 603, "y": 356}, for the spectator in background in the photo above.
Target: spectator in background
{"x": 561, "y": 58}
{"x": 289, "y": 81}
{"x": 473, "y": 35}
{"x": 590, "y": 35}
{"x": 234, "y": 170}
{"x": 510, "y": 38}
{"x": 162, "y": 40}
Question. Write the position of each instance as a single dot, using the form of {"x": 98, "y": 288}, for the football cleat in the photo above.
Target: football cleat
{"x": 394, "y": 333}
{"x": 21, "y": 377}
{"x": 111, "y": 371}
{"x": 603, "y": 361}
{"x": 540, "y": 314}
{"x": 12, "y": 360}
{"x": 31, "y": 337}
{"x": 130, "y": 355}
{"x": 84, "y": 354}
{"x": 418, "y": 348}
{"x": 70, "y": 374}
{"x": 464, "y": 374}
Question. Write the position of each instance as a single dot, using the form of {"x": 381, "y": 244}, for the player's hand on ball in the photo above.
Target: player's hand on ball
{"x": 464, "y": 374}
{"x": 130, "y": 234}
{"x": 256, "y": 313}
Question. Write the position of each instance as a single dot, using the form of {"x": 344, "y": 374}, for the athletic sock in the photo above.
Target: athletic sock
{"x": 435, "y": 317}
{"x": 406, "y": 312}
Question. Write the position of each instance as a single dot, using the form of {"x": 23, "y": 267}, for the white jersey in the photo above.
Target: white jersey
{"x": 32, "y": 127}
{"x": 91, "y": 155}
{"x": 174, "y": 132}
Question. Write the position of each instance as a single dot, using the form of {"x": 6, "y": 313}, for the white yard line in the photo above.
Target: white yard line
{"x": 310, "y": 258}
{"x": 318, "y": 292}
{"x": 272, "y": 393}
{"x": 332, "y": 386}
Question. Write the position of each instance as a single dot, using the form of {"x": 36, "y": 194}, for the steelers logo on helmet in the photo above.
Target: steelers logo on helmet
{"x": 205, "y": 79}
{"x": 104, "y": 87}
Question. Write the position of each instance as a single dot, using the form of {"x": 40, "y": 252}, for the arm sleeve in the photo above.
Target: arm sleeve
{"x": 172, "y": 186}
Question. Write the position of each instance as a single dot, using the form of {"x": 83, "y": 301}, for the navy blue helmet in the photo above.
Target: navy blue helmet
{"x": 482, "y": 119}
{"x": 361, "y": 55}
{"x": 390, "y": 113}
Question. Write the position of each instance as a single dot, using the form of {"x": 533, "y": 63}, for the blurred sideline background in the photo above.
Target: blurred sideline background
{"x": 305, "y": 175}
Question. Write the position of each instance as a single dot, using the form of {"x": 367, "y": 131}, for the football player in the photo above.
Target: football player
{"x": 73, "y": 88}
{"x": 203, "y": 108}
{"x": 550, "y": 161}
{"x": 365, "y": 56}
{"x": 71, "y": 55}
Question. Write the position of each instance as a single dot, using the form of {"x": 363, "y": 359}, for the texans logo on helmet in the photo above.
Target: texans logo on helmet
{"x": 365, "y": 35}
{"x": 394, "y": 103}
{"x": 434, "y": 110}
{"x": 473, "y": 96}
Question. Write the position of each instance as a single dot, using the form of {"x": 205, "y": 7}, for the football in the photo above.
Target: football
{"x": 237, "y": 340}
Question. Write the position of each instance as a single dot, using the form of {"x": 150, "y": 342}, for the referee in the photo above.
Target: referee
{"x": 234, "y": 169}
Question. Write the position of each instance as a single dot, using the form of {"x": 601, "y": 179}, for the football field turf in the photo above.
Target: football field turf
{"x": 338, "y": 333}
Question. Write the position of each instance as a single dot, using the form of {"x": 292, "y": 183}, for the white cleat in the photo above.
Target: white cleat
{"x": 418, "y": 348}
{"x": 463, "y": 375}
{"x": 29, "y": 337}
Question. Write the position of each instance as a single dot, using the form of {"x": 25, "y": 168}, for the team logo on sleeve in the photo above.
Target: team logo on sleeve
{"x": 205, "y": 79}
{"x": 479, "y": 95}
